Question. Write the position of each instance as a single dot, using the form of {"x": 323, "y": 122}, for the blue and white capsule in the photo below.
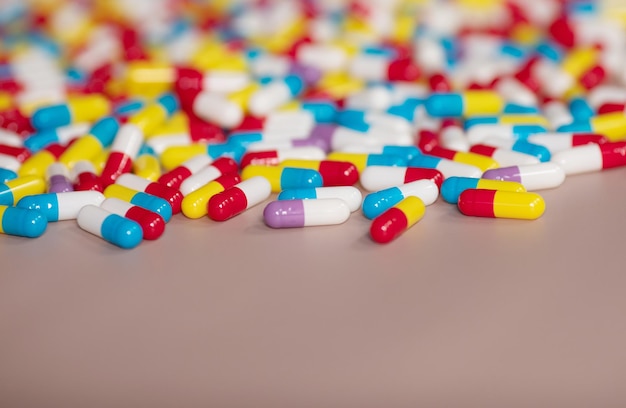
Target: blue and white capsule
{"x": 113, "y": 228}
{"x": 378, "y": 202}
{"x": 275, "y": 93}
{"x": 351, "y": 195}
{"x": 22, "y": 222}
{"x": 478, "y": 133}
{"x": 61, "y": 206}
{"x": 527, "y": 147}
{"x": 62, "y": 135}
{"x": 447, "y": 167}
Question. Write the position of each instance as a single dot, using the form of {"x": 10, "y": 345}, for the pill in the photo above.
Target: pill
{"x": 113, "y": 228}
{"x": 333, "y": 172}
{"x": 37, "y": 164}
{"x": 532, "y": 176}
{"x": 525, "y": 146}
{"x": 283, "y": 178}
{"x": 274, "y": 157}
{"x": 174, "y": 177}
{"x": 591, "y": 157}
{"x": 62, "y": 135}
{"x": 12, "y": 191}
{"x": 22, "y": 222}
{"x": 397, "y": 219}
{"x": 145, "y": 200}
{"x": 504, "y": 157}
{"x": 172, "y": 195}
{"x": 306, "y": 213}
{"x": 152, "y": 224}
{"x": 447, "y": 167}
{"x": 274, "y": 94}
{"x": 77, "y": 109}
{"x": 452, "y": 187}
{"x": 501, "y": 204}
{"x": 238, "y": 198}
{"x": 375, "y": 178}
{"x": 351, "y": 195}
{"x": 482, "y": 162}
{"x": 468, "y": 103}
{"x": 194, "y": 204}
{"x": 213, "y": 170}
{"x": 84, "y": 177}
{"x": 376, "y": 203}
{"x": 60, "y": 206}
{"x": 362, "y": 160}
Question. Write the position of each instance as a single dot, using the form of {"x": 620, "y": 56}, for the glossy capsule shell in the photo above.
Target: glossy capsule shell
{"x": 473, "y": 159}
{"x": 532, "y": 176}
{"x": 123, "y": 151}
{"x": 277, "y": 156}
{"x": 396, "y": 220}
{"x": 22, "y": 222}
{"x": 113, "y": 228}
{"x": 210, "y": 172}
{"x": 468, "y": 103}
{"x": 171, "y": 195}
{"x": 501, "y": 204}
{"x": 12, "y": 191}
{"x": 148, "y": 201}
{"x": 175, "y": 176}
{"x": 152, "y": 224}
{"x": 238, "y": 198}
{"x": 504, "y": 157}
{"x": 447, "y": 167}
{"x": 351, "y": 195}
{"x": 283, "y": 178}
{"x": 334, "y": 173}
{"x": 77, "y": 109}
{"x": 84, "y": 177}
{"x": 362, "y": 160}
{"x": 86, "y": 147}
{"x": 306, "y": 213}
{"x": 58, "y": 178}
{"x": 591, "y": 157}
{"x": 38, "y": 163}
{"x": 378, "y": 202}
{"x": 375, "y": 178}
{"x": 452, "y": 187}
{"x": 6, "y": 175}
{"x": 61, "y": 206}
{"x": 194, "y": 204}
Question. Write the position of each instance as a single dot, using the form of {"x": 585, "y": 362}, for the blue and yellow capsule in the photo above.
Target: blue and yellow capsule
{"x": 113, "y": 228}
{"x": 141, "y": 199}
{"x": 155, "y": 113}
{"x": 100, "y": 136}
{"x": 45, "y": 137}
{"x": 13, "y": 190}
{"x": 284, "y": 178}
{"x": 452, "y": 187}
{"x": 466, "y": 104}
{"x": 77, "y": 109}
{"x": 22, "y": 222}
{"x": 362, "y": 160}
{"x": 6, "y": 175}
{"x": 147, "y": 164}
{"x": 612, "y": 125}
{"x": 174, "y": 156}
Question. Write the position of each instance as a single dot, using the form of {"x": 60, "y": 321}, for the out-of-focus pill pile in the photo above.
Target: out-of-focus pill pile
{"x": 120, "y": 115}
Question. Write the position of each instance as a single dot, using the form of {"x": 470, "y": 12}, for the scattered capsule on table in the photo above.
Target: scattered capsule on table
{"x": 275, "y": 157}
{"x": 77, "y": 109}
{"x": 13, "y": 190}
{"x": 473, "y": 159}
{"x": 377, "y": 202}
{"x": 501, "y": 204}
{"x": 113, "y": 228}
{"x": 351, "y": 195}
{"x": 22, "y": 222}
{"x": 505, "y": 157}
{"x": 532, "y": 176}
{"x": 84, "y": 177}
{"x": 555, "y": 142}
{"x": 152, "y": 224}
{"x": 447, "y": 167}
{"x": 375, "y": 178}
{"x": 591, "y": 157}
{"x": 61, "y": 206}
{"x": 37, "y": 164}
{"x": 195, "y": 204}
{"x": 469, "y": 103}
{"x": 211, "y": 171}
{"x": 334, "y": 173}
{"x": 61, "y": 135}
{"x": 174, "y": 177}
{"x": 283, "y": 178}
{"x": 171, "y": 195}
{"x": 453, "y": 187}
{"x": 238, "y": 198}
{"x": 306, "y": 213}
{"x": 396, "y": 220}
{"x": 6, "y": 175}
{"x": 141, "y": 199}
{"x": 525, "y": 146}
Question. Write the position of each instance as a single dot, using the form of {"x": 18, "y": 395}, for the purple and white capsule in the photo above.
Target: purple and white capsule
{"x": 538, "y": 176}
{"x": 306, "y": 213}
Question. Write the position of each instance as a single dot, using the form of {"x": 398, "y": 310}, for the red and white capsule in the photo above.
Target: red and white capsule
{"x": 591, "y": 157}
{"x": 375, "y": 178}
{"x": 170, "y": 194}
{"x": 237, "y": 199}
{"x": 152, "y": 224}
{"x": 210, "y": 172}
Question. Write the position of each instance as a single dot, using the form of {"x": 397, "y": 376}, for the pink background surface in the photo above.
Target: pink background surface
{"x": 457, "y": 312}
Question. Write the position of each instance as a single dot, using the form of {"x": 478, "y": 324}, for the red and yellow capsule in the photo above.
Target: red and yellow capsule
{"x": 195, "y": 204}
{"x": 501, "y": 204}
{"x": 393, "y": 222}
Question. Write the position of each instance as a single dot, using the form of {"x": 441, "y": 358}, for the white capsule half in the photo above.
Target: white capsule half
{"x": 306, "y": 213}
{"x": 533, "y": 177}
{"x": 580, "y": 159}
{"x": 217, "y": 108}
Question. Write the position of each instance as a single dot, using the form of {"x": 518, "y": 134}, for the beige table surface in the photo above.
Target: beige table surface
{"x": 458, "y": 312}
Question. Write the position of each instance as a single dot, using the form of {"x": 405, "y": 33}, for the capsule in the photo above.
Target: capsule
{"x": 478, "y": 133}
{"x": 195, "y": 204}
{"x": 148, "y": 201}
{"x": 406, "y": 152}
{"x": 467, "y": 104}
{"x": 283, "y": 178}
{"x": 591, "y": 157}
{"x": 123, "y": 151}
{"x": 363, "y": 121}
{"x": 274, "y": 157}
{"x": 274, "y": 94}
{"x": 334, "y": 173}
{"x": 397, "y": 219}
{"x": 84, "y": 177}
{"x": 376, "y": 68}
{"x": 61, "y": 206}
{"x": 22, "y": 222}
{"x": 6, "y": 175}
{"x": 174, "y": 156}
{"x": 351, "y": 195}
{"x": 62, "y": 135}
{"x": 283, "y": 124}
{"x": 504, "y": 157}
{"x": 306, "y": 213}
{"x": 556, "y": 142}
{"x": 501, "y": 204}
{"x": 113, "y": 228}
{"x": 173, "y": 196}
{"x": 363, "y": 160}
{"x": 217, "y": 108}
{"x": 452, "y": 136}
{"x": 147, "y": 164}
{"x": 540, "y": 152}
{"x": 453, "y": 187}
{"x": 482, "y": 162}
{"x": 58, "y": 178}
{"x": 98, "y": 137}
{"x": 78, "y": 109}
{"x": 375, "y": 178}
{"x": 378, "y": 202}
{"x": 152, "y": 224}
{"x": 612, "y": 125}
{"x": 174, "y": 177}
{"x": 238, "y": 198}
{"x": 13, "y": 190}
{"x": 38, "y": 163}
{"x": 338, "y": 137}
{"x": 20, "y": 153}
{"x": 531, "y": 176}
{"x": 221, "y": 166}
{"x": 447, "y": 167}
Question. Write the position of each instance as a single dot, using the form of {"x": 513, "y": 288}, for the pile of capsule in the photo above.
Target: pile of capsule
{"x": 122, "y": 114}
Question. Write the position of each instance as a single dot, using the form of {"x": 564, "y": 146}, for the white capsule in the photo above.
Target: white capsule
{"x": 553, "y": 141}
{"x": 217, "y": 108}
{"x": 350, "y": 195}
{"x": 532, "y": 176}
{"x": 514, "y": 91}
{"x": 368, "y": 67}
{"x": 225, "y": 82}
{"x": 111, "y": 227}
{"x": 61, "y": 206}
{"x": 161, "y": 142}
{"x": 324, "y": 57}
{"x": 507, "y": 157}
{"x": 269, "y": 98}
{"x": 297, "y": 123}
{"x": 373, "y": 98}
{"x": 343, "y": 136}
{"x": 128, "y": 140}
{"x": 453, "y": 137}
{"x": 602, "y": 94}
{"x": 199, "y": 179}
{"x": 447, "y": 167}
{"x": 375, "y": 178}
{"x": 557, "y": 113}
{"x": 580, "y": 159}
{"x": 306, "y": 213}
{"x": 478, "y": 133}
